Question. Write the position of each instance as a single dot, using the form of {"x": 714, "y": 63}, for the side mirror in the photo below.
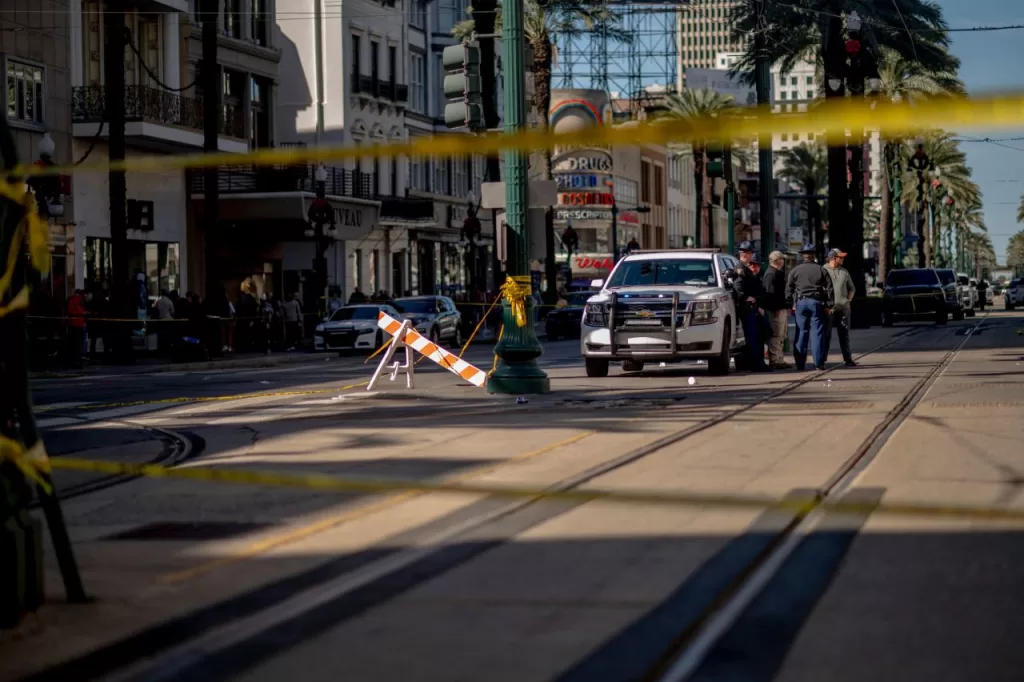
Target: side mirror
{"x": 597, "y": 283}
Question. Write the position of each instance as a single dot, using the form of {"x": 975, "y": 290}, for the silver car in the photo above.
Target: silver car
{"x": 353, "y": 327}
{"x": 433, "y": 316}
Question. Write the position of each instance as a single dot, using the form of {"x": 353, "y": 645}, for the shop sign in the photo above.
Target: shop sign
{"x": 576, "y": 181}
{"x": 584, "y": 164}
{"x": 588, "y": 263}
{"x": 582, "y": 214}
{"x": 347, "y": 217}
{"x": 586, "y": 199}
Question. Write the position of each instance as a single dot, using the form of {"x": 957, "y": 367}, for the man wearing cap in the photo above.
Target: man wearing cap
{"x": 749, "y": 291}
{"x": 774, "y": 281}
{"x": 809, "y": 288}
{"x": 842, "y": 285}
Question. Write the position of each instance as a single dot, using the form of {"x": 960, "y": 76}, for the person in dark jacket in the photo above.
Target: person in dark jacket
{"x": 749, "y": 292}
{"x": 809, "y": 290}
{"x": 775, "y": 304}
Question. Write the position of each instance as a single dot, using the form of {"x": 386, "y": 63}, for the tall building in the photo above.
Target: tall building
{"x": 35, "y": 73}
{"x": 703, "y": 32}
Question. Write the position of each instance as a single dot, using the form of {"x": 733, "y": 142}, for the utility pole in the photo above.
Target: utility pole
{"x": 121, "y": 288}
{"x": 484, "y": 14}
{"x": 212, "y": 117}
{"x": 518, "y": 349}
{"x": 765, "y": 170}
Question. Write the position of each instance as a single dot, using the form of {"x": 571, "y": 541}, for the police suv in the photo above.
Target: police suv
{"x": 663, "y": 306}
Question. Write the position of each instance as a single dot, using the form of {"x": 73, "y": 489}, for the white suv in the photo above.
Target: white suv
{"x": 968, "y": 294}
{"x": 663, "y": 306}
{"x": 1014, "y": 294}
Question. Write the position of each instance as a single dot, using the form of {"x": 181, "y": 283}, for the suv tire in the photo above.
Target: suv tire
{"x": 718, "y": 366}
{"x": 632, "y": 366}
{"x": 596, "y": 367}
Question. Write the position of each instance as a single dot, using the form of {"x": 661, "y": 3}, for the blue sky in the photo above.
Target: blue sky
{"x": 992, "y": 61}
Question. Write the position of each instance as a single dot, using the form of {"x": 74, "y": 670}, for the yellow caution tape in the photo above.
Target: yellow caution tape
{"x": 32, "y": 462}
{"x": 831, "y": 117}
{"x": 515, "y": 291}
{"x": 339, "y": 484}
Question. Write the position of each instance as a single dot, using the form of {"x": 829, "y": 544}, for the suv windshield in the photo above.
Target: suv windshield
{"x": 663, "y": 272}
{"x": 579, "y": 299}
{"x": 946, "y": 276}
{"x": 423, "y": 306}
{"x": 912, "y": 278}
{"x": 342, "y": 314}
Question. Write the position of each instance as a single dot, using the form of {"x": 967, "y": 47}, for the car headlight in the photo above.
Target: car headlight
{"x": 704, "y": 312}
{"x": 320, "y": 328}
{"x": 595, "y": 315}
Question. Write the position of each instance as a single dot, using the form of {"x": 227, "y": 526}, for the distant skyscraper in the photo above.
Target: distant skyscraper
{"x": 704, "y": 31}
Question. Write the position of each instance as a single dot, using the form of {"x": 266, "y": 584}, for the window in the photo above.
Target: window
{"x": 792, "y": 81}
{"x": 259, "y": 112}
{"x": 362, "y": 312}
{"x": 796, "y": 137}
{"x": 418, "y": 14}
{"x": 259, "y": 22}
{"x": 794, "y": 95}
{"x": 782, "y": 95}
{"x": 785, "y": 137}
{"x": 665, "y": 272}
{"x": 233, "y": 18}
{"x": 417, "y": 83}
{"x": 645, "y": 181}
{"x": 659, "y": 185}
{"x": 460, "y": 177}
{"x": 440, "y": 185}
{"x": 374, "y": 61}
{"x": 357, "y": 66}
{"x": 393, "y": 65}
{"x": 810, "y": 80}
{"x": 25, "y": 92}
{"x": 140, "y": 215}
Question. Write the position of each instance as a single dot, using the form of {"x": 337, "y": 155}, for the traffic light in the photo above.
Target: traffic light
{"x": 715, "y": 152}
{"x": 464, "y": 107}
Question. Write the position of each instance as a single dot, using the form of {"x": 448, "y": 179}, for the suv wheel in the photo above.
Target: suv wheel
{"x": 458, "y": 337}
{"x": 719, "y": 365}
{"x": 596, "y": 367}
{"x": 632, "y": 366}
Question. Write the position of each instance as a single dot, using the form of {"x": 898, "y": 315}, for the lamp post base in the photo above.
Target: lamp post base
{"x": 517, "y": 351}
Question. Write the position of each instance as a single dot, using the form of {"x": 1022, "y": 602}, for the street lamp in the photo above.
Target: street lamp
{"x": 320, "y": 228}
{"x": 47, "y": 187}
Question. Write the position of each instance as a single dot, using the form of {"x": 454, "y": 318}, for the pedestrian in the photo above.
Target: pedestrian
{"x": 76, "y": 327}
{"x": 164, "y": 313}
{"x": 809, "y": 290}
{"x": 982, "y": 289}
{"x": 292, "y": 310}
{"x": 843, "y": 289}
{"x": 749, "y": 292}
{"x": 267, "y": 320}
{"x": 774, "y": 283}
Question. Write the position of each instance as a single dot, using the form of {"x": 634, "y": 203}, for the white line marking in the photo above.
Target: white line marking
{"x": 53, "y": 422}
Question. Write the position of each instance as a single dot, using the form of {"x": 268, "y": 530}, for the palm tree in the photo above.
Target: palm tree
{"x": 689, "y": 105}
{"x": 914, "y": 29}
{"x": 906, "y": 80}
{"x": 542, "y": 22}
{"x": 951, "y": 177}
{"x": 806, "y": 166}
{"x": 1020, "y": 210}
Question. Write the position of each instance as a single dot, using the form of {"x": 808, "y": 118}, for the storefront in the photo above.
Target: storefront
{"x": 447, "y": 260}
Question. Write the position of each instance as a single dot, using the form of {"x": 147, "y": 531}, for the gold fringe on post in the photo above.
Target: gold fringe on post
{"x": 515, "y": 293}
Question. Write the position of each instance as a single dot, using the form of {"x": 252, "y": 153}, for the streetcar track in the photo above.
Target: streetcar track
{"x": 220, "y": 636}
{"x": 699, "y": 637}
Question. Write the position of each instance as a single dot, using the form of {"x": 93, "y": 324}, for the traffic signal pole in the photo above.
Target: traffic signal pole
{"x": 519, "y": 348}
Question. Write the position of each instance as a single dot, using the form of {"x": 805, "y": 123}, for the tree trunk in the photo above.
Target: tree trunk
{"x": 698, "y": 184}
{"x": 885, "y": 220}
{"x": 542, "y": 101}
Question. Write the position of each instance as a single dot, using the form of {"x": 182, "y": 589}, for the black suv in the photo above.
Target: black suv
{"x": 920, "y": 293}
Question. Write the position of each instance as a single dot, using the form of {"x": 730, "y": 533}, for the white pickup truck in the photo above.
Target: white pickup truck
{"x": 663, "y": 306}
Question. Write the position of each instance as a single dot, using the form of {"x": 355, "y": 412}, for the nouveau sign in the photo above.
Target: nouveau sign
{"x": 347, "y": 217}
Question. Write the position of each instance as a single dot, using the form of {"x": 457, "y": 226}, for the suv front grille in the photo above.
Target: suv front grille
{"x": 647, "y": 312}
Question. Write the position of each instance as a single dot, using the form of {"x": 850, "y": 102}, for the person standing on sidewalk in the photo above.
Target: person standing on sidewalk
{"x": 774, "y": 281}
{"x": 749, "y": 291}
{"x": 292, "y": 320}
{"x": 809, "y": 288}
{"x": 842, "y": 285}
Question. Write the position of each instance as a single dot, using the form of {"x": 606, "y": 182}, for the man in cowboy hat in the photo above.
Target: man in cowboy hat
{"x": 810, "y": 290}
{"x": 842, "y": 285}
{"x": 749, "y": 291}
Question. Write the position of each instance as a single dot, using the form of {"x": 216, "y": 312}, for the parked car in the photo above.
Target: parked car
{"x": 1014, "y": 295}
{"x": 989, "y": 296}
{"x": 968, "y": 294}
{"x": 436, "y": 317}
{"x": 352, "y": 327}
{"x": 663, "y": 306}
{"x": 564, "y": 322}
{"x": 948, "y": 279}
{"x": 918, "y": 293}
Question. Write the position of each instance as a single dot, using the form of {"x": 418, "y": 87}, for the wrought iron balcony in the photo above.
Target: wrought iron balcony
{"x": 142, "y": 103}
{"x": 234, "y": 180}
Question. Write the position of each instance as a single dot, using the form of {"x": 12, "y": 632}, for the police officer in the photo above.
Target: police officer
{"x": 809, "y": 291}
{"x": 749, "y": 292}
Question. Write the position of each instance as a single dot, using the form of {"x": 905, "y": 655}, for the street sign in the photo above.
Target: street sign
{"x": 543, "y": 194}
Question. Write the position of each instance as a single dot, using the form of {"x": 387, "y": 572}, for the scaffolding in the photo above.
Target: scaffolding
{"x": 634, "y": 58}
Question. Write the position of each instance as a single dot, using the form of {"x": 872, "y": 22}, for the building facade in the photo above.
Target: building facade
{"x": 703, "y": 32}
{"x": 35, "y": 68}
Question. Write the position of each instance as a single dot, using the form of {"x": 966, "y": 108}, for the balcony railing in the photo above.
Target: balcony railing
{"x": 340, "y": 181}
{"x": 142, "y": 103}
{"x": 400, "y": 208}
{"x": 377, "y": 87}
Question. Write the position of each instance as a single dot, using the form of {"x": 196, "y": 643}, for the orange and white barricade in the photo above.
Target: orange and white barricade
{"x": 404, "y": 336}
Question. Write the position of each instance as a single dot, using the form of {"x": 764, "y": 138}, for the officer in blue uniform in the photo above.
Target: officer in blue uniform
{"x": 749, "y": 293}
{"x": 809, "y": 292}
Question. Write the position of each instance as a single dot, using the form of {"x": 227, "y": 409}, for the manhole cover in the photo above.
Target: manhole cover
{"x": 188, "y": 531}
{"x": 620, "y": 403}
